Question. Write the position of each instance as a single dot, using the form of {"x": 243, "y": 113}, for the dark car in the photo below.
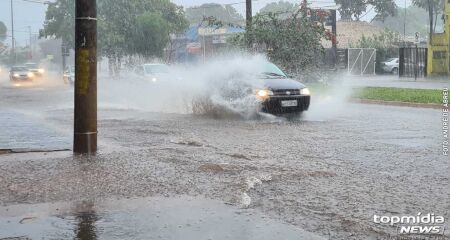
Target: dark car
{"x": 20, "y": 73}
{"x": 35, "y": 69}
{"x": 264, "y": 87}
{"x": 281, "y": 94}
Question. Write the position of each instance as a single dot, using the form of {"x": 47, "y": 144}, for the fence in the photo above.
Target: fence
{"x": 413, "y": 62}
{"x": 361, "y": 61}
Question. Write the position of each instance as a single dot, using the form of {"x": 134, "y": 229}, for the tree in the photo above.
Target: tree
{"x": 151, "y": 35}
{"x": 294, "y": 43}
{"x": 434, "y": 8}
{"x": 3, "y": 31}
{"x": 416, "y": 19}
{"x": 60, "y": 21}
{"x": 124, "y": 27}
{"x": 284, "y": 9}
{"x": 224, "y": 13}
{"x": 350, "y": 9}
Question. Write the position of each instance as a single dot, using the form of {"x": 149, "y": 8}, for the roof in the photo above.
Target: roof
{"x": 349, "y": 33}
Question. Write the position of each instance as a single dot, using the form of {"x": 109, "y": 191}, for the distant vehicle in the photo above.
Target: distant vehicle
{"x": 154, "y": 73}
{"x": 69, "y": 75}
{"x": 391, "y": 65}
{"x": 34, "y": 68}
{"x": 20, "y": 73}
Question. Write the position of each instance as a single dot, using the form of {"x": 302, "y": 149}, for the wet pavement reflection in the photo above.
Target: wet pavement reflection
{"x": 145, "y": 218}
{"x": 86, "y": 229}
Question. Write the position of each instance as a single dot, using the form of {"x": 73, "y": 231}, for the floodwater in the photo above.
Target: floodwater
{"x": 144, "y": 218}
{"x": 327, "y": 172}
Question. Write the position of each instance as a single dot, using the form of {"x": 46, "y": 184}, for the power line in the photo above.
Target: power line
{"x": 37, "y": 1}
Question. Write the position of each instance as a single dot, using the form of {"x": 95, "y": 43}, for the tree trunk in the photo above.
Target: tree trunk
{"x": 430, "y": 13}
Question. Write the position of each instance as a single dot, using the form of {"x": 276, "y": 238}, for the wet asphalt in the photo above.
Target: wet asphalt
{"x": 327, "y": 172}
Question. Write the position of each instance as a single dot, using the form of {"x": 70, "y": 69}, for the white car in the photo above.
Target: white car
{"x": 154, "y": 73}
{"x": 391, "y": 65}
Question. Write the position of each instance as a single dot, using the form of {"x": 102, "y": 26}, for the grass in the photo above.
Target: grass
{"x": 399, "y": 94}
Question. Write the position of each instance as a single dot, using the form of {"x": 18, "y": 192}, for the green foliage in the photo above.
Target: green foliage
{"x": 284, "y": 9}
{"x": 416, "y": 19}
{"x": 386, "y": 39}
{"x": 3, "y": 30}
{"x": 399, "y": 95}
{"x": 353, "y": 9}
{"x": 122, "y": 25}
{"x": 436, "y": 7}
{"x": 151, "y": 35}
{"x": 223, "y": 13}
{"x": 21, "y": 57}
{"x": 293, "y": 43}
{"x": 60, "y": 21}
{"x": 385, "y": 43}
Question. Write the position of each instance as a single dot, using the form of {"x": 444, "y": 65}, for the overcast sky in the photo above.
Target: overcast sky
{"x": 33, "y": 14}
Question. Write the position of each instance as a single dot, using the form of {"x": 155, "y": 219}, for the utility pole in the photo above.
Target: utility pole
{"x": 404, "y": 26}
{"x": 31, "y": 43}
{"x": 334, "y": 37}
{"x": 13, "y": 40}
{"x": 249, "y": 15}
{"x": 85, "y": 122}
{"x": 431, "y": 15}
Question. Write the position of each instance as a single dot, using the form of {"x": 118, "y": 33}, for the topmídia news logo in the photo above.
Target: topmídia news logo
{"x": 420, "y": 224}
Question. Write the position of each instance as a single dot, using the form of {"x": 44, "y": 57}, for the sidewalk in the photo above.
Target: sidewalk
{"x": 22, "y": 133}
{"x": 395, "y": 81}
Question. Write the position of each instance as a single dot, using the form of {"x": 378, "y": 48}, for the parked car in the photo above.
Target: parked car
{"x": 35, "y": 69}
{"x": 391, "y": 65}
{"x": 20, "y": 73}
{"x": 69, "y": 75}
{"x": 154, "y": 73}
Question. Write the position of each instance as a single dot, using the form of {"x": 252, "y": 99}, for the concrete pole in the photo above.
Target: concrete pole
{"x": 249, "y": 16}
{"x": 31, "y": 43}
{"x": 13, "y": 40}
{"x": 85, "y": 124}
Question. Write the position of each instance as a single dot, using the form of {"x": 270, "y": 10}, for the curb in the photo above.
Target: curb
{"x": 28, "y": 150}
{"x": 398, "y": 104}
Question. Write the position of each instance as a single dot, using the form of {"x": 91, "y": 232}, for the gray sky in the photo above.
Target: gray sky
{"x": 33, "y": 14}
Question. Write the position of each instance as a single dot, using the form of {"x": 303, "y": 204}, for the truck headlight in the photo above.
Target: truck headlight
{"x": 41, "y": 70}
{"x": 16, "y": 75}
{"x": 30, "y": 75}
{"x": 305, "y": 91}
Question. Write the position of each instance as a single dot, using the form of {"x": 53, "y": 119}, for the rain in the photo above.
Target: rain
{"x": 158, "y": 119}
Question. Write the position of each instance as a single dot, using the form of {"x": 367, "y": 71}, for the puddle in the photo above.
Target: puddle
{"x": 146, "y": 218}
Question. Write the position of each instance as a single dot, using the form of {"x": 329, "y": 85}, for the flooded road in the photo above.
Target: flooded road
{"x": 327, "y": 172}
{"x": 146, "y": 218}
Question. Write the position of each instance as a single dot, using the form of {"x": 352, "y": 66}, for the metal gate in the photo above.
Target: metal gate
{"x": 361, "y": 61}
{"x": 413, "y": 62}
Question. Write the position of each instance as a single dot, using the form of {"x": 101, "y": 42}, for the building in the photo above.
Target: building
{"x": 439, "y": 48}
{"x": 199, "y": 43}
